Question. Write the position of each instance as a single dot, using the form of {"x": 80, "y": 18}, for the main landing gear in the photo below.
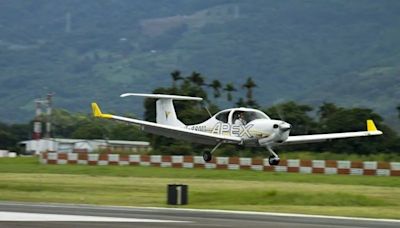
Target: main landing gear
{"x": 273, "y": 159}
{"x": 207, "y": 155}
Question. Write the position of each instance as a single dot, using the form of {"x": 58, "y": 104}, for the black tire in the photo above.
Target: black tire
{"x": 207, "y": 156}
{"x": 272, "y": 160}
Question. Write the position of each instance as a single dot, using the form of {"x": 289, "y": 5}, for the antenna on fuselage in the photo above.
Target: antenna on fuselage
{"x": 204, "y": 105}
{"x": 209, "y": 113}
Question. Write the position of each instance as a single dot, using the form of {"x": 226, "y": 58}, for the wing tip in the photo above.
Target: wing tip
{"x": 97, "y": 112}
{"x": 371, "y": 126}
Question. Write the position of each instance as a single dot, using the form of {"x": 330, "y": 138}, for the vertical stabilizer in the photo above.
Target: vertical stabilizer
{"x": 166, "y": 113}
{"x": 165, "y": 110}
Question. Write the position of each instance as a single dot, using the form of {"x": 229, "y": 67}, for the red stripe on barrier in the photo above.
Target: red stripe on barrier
{"x": 395, "y": 173}
{"x": 145, "y": 158}
{"x": 198, "y": 165}
{"x": 330, "y": 164}
{"x": 268, "y": 168}
{"x": 62, "y": 156}
{"x": 72, "y": 162}
{"x": 383, "y": 165}
{"x": 166, "y": 158}
{"x": 293, "y": 169}
{"x": 305, "y": 163}
{"x": 222, "y": 166}
{"x": 343, "y": 171}
{"x": 318, "y": 170}
{"x": 188, "y": 159}
{"x": 124, "y": 157}
{"x": 357, "y": 165}
{"x": 257, "y": 161}
{"x": 369, "y": 172}
{"x": 92, "y": 162}
{"x": 234, "y": 160}
{"x": 82, "y": 156}
{"x": 52, "y": 162}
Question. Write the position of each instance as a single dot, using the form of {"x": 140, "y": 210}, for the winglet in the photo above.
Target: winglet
{"x": 371, "y": 126}
{"x": 97, "y": 112}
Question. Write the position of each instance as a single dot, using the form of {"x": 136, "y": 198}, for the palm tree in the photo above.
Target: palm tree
{"x": 229, "y": 88}
{"x": 398, "y": 109}
{"x": 176, "y": 76}
{"x": 241, "y": 103}
{"x": 249, "y": 85}
{"x": 216, "y": 85}
{"x": 196, "y": 78}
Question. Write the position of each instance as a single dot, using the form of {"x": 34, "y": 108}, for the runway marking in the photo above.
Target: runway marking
{"x": 147, "y": 209}
{"x": 39, "y": 217}
{"x": 277, "y": 214}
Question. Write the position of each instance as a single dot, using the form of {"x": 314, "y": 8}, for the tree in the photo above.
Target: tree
{"x": 398, "y": 109}
{"x": 121, "y": 131}
{"x": 176, "y": 76}
{"x": 216, "y": 86}
{"x": 249, "y": 85}
{"x": 90, "y": 130}
{"x": 229, "y": 88}
{"x": 295, "y": 114}
{"x": 326, "y": 110}
{"x": 10, "y": 135}
{"x": 196, "y": 78}
{"x": 240, "y": 103}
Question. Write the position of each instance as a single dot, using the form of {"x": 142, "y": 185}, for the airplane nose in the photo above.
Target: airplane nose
{"x": 285, "y": 126}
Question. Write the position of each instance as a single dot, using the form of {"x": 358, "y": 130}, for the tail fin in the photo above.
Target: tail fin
{"x": 166, "y": 113}
{"x": 165, "y": 110}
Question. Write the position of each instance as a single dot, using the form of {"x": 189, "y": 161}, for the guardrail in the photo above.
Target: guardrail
{"x": 371, "y": 168}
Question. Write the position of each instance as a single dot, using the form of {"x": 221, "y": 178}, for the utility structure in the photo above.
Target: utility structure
{"x": 42, "y": 116}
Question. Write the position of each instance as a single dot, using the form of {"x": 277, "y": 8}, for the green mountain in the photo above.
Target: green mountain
{"x": 345, "y": 51}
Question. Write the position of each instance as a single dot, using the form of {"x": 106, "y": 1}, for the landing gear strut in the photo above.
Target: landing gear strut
{"x": 207, "y": 156}
{"x": 273, "y": 159}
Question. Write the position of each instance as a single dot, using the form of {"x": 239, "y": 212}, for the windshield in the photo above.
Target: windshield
{"x": 248, "y": 116}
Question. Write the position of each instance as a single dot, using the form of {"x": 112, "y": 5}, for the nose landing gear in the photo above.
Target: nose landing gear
{"x": 273, "y": 159}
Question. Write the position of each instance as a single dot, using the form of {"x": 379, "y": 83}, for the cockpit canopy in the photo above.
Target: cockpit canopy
{"x": 248, "y": 115}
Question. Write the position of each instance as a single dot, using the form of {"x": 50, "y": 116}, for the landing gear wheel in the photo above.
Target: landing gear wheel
{"x": 272, "y": 160}
{"x": 207, "y": 156}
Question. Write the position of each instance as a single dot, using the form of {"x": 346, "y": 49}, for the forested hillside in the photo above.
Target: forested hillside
{"x": 346, "y": 52}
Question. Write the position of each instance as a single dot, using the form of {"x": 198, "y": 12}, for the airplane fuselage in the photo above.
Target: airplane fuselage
{"x": 253, "y": 125}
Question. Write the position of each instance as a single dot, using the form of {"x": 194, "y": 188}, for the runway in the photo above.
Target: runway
{"x": 13, "y": 214}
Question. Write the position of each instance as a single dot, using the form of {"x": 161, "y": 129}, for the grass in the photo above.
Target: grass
{"x": 24, "y": 179}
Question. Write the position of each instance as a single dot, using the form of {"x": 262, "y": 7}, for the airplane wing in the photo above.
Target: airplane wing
{"x": 171, "y": 131}
{"x": 371, "y": 130}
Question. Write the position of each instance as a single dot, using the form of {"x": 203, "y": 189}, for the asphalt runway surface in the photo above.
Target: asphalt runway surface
{"x": 13, "y": 214}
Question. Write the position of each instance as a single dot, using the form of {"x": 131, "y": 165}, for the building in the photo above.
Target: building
{"x": 81, "y": 145}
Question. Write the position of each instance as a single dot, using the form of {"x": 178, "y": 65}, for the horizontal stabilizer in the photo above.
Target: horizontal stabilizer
{"x": 163, "y": 96}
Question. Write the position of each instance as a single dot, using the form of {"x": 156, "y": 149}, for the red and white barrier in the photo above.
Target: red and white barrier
{"x": 371, "y": 168}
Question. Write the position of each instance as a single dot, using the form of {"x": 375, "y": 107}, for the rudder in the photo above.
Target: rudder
{"x": 165, "y": 113}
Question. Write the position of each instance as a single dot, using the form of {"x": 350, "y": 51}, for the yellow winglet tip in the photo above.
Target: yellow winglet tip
{"x": 371, "y": 126}
{"x": 97, "y": 112}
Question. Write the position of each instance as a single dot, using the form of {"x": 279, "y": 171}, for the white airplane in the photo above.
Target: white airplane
{"x": 240, "y": 126}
